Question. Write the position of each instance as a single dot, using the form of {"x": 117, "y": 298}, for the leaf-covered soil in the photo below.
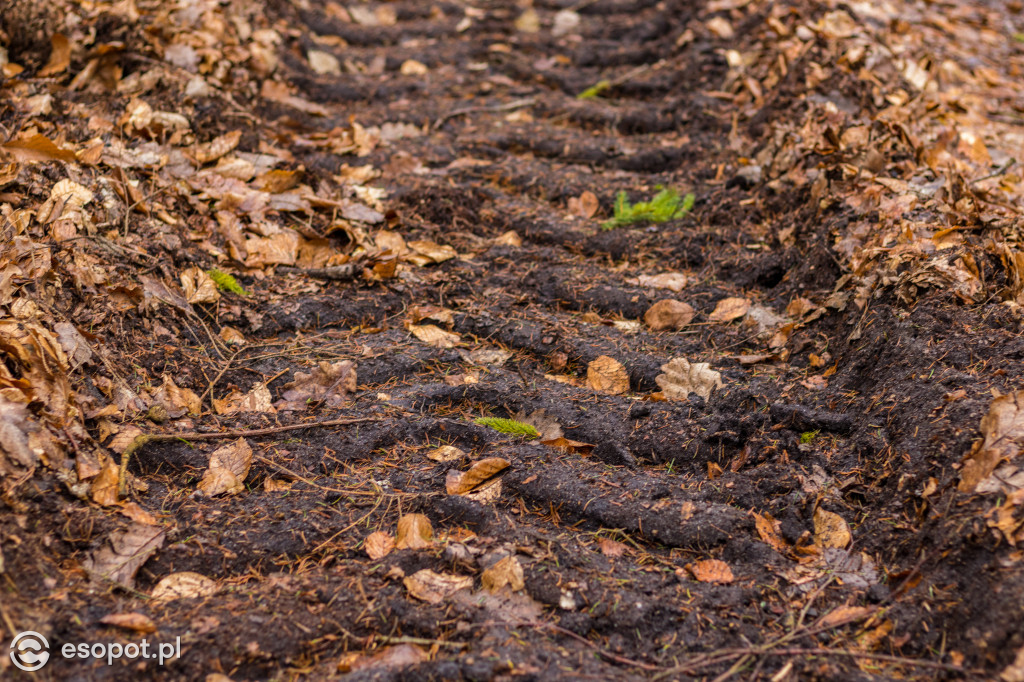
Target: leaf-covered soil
{"x": 410, "y": 197}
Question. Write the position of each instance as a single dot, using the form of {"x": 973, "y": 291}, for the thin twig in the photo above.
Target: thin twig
{"x": 142, "y": 440}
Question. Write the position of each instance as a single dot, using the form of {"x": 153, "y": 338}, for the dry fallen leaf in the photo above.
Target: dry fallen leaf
{"x": 767, "y": 530}
{"x": 668, "y": 315}
{"x": 60, "y": 56}
{"x": 136, "y": 622}
{"x": 681, "y": 378}
{"x": 183, "y": 585}
{"x": 199, "y": 287}
{"x": 389, "y": 658}
{"x": 608, "y": 375}
{"x": 729, "y": 309}
{"x": 414, "y": 532}
{"x": 478, "y": 475}
{"x": 427, "y": 252}
{"x": 507, "y": 571}
{"x": 378, "y": 545}
{"x": 1002, "y": 429}
{"x": 122, "y": 555}
{"x": 446, "y": 453}
{"x": 256, "y": 400}
{"x": 432, "y": 335}
{"x": 433, "y": 588}
{"x": 329, "y": 384}
{"x": 711, "y": 571}
{"x": 547, "y": 426}
{"x": 830, "y": 530}
{"x": 585, "y": 206}
{"x": 37, "y": 148}
{"x": 673, "y": 281}
{"x": 229, "y": 465}
{"x": 612, "y": 548}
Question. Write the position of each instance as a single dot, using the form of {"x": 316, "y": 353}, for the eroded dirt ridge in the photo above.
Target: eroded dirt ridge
{"x": 384, "y": 221}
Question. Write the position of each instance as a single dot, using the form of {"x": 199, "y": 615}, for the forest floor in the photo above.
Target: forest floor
{"x": 265, "y": 265}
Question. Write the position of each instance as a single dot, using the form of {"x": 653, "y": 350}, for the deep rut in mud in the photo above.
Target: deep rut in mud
{"x": 607, "y": 535}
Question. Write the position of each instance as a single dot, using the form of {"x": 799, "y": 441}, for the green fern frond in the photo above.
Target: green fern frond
{"x": 508, "y": 426}
{"x": 664, "y": 206}
{"x": 226, "y": 282}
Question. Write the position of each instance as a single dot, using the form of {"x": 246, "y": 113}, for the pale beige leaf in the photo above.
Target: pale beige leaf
{"x": 669, "y": 315}
{"x": 414, "y": 532}
{"x": 229, "y": 465}
{"x": 673, "y": 281}
{"x": 184, "y": 585}
{"x": 256, "y": 400}
{"x": 446, "y": 453}
{"x": 506, "y": 572}
{"x": 510, "y": 238}
{"x": 830, "y": 530}
{"x": 324, "y": 63}
{"x": 432, "y": 335}
{"x": 433, "y": 251}
{"x": 433, "y": 588}
{"x": 608, "y": 375}
{"x": 681, "y": 378}
{"x": 729, "y": 309}
{"x": 378, "y": 545}
{"x": 611, "y": 548}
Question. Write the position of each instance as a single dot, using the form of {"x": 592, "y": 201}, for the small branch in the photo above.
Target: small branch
{"x": 508, "y": 106}
{"x": 145, "y": 439}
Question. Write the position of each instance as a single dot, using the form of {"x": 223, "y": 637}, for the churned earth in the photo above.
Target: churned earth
{"x": 403, "y": 204}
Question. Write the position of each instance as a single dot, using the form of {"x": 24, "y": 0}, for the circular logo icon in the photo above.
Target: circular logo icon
{"x": 29, "y": 651}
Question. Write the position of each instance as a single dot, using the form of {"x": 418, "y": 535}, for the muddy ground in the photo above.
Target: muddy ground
{"x": 607, "y": 536}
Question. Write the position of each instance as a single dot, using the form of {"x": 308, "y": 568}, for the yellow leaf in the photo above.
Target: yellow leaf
{"x": 480, "y": 473}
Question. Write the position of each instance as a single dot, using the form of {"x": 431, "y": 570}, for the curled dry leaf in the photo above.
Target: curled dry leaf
{"x": 183, "y": 585}
{"x": 432, "y": 335}
{"x": 60, "y": 56}
{"x": 217, "y": 147}
{"x": 388, "y": 658}
{"x": 729, "y": 309}
{"x": 507, "y": 571}
{"x": 136, "y": 622}
{"x": 178, "y": 401}
{"x": 378, "y": 545}
{"x": 711, "y": 571}
{"x": 37, "y": 148}
{"x": 414, "y": 532}
{"x": 830, "y": 530}
{"x": 510, "y": 238}
{"x": 103, "y": 488}
{"x": 229, "y": 465}
{"x": 199, "y": 287}
{"x": 608, "y": 375}
{"x": 480, "y": 473}
{"x": 427, "y": 252}
{"x": 669, "y": 315}
{"x": 682, "y": 377}
{"x": 1002, "y": 429}
{"x": 767, "y": 530}
{"x": 433, "y": 588}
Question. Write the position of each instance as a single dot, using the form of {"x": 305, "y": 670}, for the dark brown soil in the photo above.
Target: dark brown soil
{"x": 674, "y": 482}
